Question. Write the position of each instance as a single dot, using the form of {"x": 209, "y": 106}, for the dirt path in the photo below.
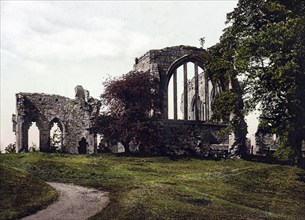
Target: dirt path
{"x": 74, "y": 202}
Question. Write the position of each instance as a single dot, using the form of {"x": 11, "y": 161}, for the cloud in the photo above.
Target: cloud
{"x": 13, "y": 63}
{"x": 69, "y": 36}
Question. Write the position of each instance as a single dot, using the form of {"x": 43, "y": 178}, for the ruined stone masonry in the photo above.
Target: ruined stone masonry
{"x": 203, "y": 101}
{"x": 164, "y": 64}
{"x": 73, "y": 116}
{"x": 196, "y": 132}
{"x": 266, "y": 143}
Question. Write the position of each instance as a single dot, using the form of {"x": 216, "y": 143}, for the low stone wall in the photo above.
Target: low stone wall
{"x": 179, "y": 137}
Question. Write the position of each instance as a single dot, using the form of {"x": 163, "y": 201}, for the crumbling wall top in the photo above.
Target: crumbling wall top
{"x": 81, "y": 93}
{"x": 165, "y": 57}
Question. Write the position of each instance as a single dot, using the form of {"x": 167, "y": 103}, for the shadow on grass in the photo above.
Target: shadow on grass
{"x": 268, "y": 160}
{"x": 301, "y": 177}
{"x": 170, "y": 157}
{"x": 273, "y": 160}
{"x": 252, "y": 158}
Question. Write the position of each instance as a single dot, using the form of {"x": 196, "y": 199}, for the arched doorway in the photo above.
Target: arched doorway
{"x": 33, "y": 138}
{"x": 29, "y": 136}
{"x": 82, "y": 146}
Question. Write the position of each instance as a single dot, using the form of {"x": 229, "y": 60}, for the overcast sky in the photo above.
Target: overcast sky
{"x": 52, "y": 46}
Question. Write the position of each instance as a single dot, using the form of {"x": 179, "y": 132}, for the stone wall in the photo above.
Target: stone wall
{"x": 74, "y": 117}
{"x": 191, "y": 98}
{"x": 182, "y": 136}
{"x": 162, "y": 63}
{"x": 190, "y": 137}
{"x": 207, "y": 92}
{"x": 266, "y": 143}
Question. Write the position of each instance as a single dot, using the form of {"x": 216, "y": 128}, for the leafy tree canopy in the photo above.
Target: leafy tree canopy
{"x": 131, "y": 101}
{"x": 265, "y": 46}
{"x": 229, "y": 103}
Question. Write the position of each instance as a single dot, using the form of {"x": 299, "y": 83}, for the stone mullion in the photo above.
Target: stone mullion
{"x": 22, "y": 135}
{"x": 25, "y": 137}
{"x": 175, "y": 95}
{"x": 196, "y": 92}
{"x": 185, "y": 92}
{"x": 207, "y": 99}
{"x": 44, "y": 139}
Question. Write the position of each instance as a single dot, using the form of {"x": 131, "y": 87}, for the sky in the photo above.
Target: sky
{"x": 52, "y": 46}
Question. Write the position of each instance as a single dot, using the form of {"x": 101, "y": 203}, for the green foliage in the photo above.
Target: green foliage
{"x": 157, "y": 187}
{"x": 131, "y": 101}
{"x": 285, "y": 150}
{"x": 228, "y": 105}
{"x": 220, "y": 66}
{"x": 11, "y": 148}
{"x": 265, "y": 46}
{"x": 224, "y": 104}
{"x": 284, "y": 153}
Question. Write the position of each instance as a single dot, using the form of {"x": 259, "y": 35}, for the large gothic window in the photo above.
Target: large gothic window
{"x": 188, "y": 96}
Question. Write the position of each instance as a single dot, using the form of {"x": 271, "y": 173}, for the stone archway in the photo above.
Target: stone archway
{"x": 164, "y": 63}
{"x": 172, "y": 74}
{"x": 56, "y": 138}
{"x": 82, "y": 146}
{"x": 33, "y": 137}
{"x": 22, "y": 136}
{"x": 199, "y": 86}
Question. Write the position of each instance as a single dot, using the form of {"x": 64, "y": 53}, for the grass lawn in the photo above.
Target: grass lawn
{"x": 161, "y": 188}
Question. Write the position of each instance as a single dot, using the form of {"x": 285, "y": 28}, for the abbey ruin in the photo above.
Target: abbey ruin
{"x": 194, "y": 131}
{"x": 73, "y": 116}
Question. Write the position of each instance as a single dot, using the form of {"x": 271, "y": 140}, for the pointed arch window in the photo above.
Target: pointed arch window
{"x": 56, "y": 135}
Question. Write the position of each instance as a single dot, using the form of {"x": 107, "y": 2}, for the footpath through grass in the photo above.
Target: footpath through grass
{"x": 160, "y": 188}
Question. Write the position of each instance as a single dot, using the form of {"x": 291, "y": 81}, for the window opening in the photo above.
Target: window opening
{"x": 55, "y": 137}
{"x": 33, "y": 138}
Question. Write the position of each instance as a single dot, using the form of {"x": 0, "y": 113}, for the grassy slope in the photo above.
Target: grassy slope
{"x": 21, "y": 193}
{"x": 159, "y": 188}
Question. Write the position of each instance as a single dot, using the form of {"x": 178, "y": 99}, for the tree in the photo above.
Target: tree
{"x": 229, "y": 103}
{"x": 269, "y": 53}
{"x": 131, "y": 102}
